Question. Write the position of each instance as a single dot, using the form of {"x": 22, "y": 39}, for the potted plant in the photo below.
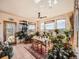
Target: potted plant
{"x": 7, "y": 50}
{"x": 60, "y": 49}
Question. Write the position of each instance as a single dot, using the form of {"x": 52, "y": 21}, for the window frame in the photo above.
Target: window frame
{"x": 47, "y": 22}
{"x": 32, "y": 30}
{"x": 61, "y": 19}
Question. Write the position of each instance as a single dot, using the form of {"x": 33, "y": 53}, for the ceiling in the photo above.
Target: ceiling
{"x": 28, "y": 8}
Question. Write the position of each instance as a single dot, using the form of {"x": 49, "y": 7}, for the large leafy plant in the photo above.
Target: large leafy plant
{"x": 60, "y": 49}
{"x": 23, "y": 34}
{"x": 6, "y": 50}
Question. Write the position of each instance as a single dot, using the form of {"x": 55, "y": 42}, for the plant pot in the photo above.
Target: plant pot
{"x": 73, "y": 58}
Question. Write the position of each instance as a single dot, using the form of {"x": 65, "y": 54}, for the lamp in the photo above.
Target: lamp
{"x": 50, "y": 2}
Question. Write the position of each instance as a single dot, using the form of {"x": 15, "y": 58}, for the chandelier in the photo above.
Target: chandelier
{"x": 50, "y": 2}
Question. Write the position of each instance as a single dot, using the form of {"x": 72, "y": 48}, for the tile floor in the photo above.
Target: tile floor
{"x": 21, "y": 53}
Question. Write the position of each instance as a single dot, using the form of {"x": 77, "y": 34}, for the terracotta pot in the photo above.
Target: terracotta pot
{"x": 72, "y": 58}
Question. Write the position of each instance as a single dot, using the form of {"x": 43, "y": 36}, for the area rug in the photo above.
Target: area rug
{"x": 35, "y": 53}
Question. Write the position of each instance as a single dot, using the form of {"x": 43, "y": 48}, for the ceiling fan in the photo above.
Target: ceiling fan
{"x": 41, "y": 17}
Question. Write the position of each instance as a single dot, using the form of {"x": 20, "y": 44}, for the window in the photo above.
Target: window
{"x": 42, "y": 26}
{"x": 31, "y": 27}
{"x": 61, "y": 24}
{"x": 50, "y": 26}
{"x": 20, "y": 27}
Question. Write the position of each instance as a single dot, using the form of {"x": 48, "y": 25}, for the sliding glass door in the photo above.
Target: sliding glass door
{"x": 9, "y": 30}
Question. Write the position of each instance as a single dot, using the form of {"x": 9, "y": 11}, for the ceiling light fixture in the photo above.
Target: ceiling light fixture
{"x": 50, "y": 2}
{"x": 55, "y": 1}
{"x": 37, "y": 1}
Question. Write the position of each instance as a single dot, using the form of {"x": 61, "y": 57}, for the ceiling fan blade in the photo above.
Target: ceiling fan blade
{"x": 38, "y": 14}
{"x": 43, "y": 17}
